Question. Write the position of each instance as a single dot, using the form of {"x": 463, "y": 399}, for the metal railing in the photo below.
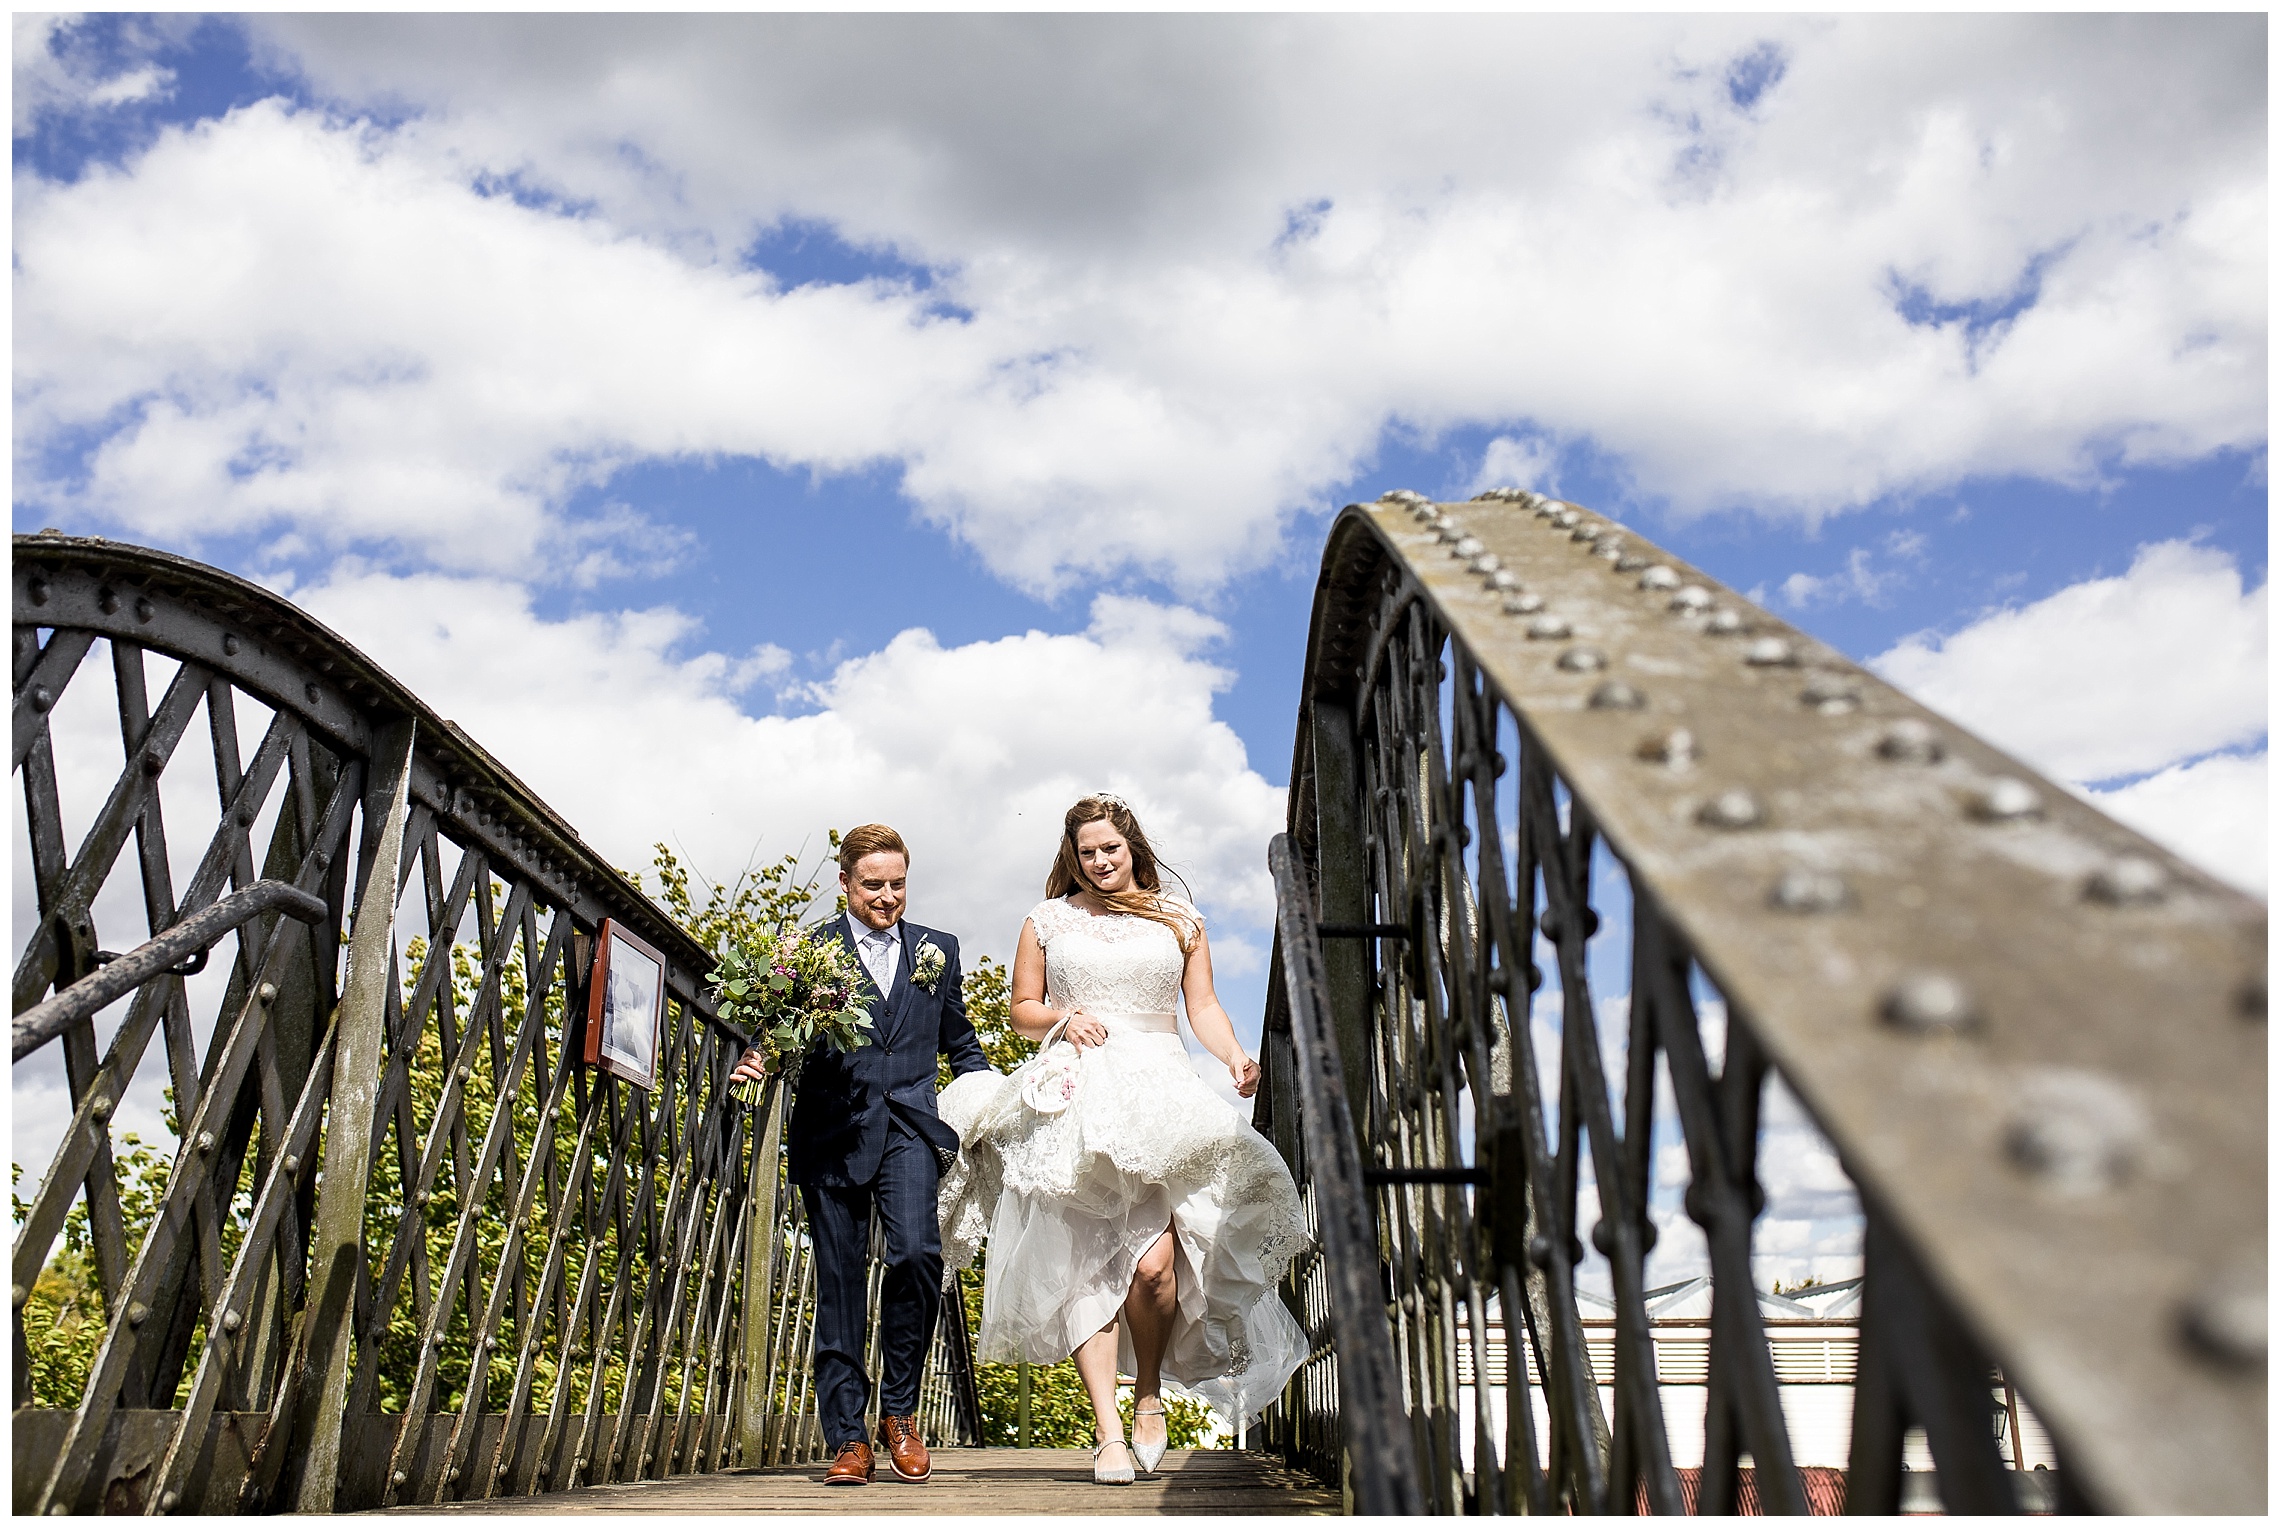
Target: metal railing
{"x": 2035, "y": 1040}
{"x": 404, "y": 1246}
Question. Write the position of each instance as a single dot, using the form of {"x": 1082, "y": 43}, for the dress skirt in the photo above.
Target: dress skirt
{"x": 1070, "y": 1201}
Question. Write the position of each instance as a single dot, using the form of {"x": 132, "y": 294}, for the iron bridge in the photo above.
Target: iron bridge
{"x": 1592, "y": 867}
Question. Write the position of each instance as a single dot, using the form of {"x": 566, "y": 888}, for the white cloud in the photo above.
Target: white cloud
{"x": 2111, "y": 677}
{"x": 1936, "y": 247}
{"x": 973, "y": 752}
{"x": 2213, "y": 811}
{"x": 1511, "y": 462}
{"x": 308, "y": 324}
{"x": 1859, "y": 580}
{"x": 54, "y": 74}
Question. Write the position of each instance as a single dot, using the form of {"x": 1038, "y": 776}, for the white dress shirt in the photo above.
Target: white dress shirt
{"x": 881, "y": 951}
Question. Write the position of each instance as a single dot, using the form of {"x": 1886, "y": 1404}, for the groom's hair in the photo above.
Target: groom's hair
{"x": 871, "y": 838}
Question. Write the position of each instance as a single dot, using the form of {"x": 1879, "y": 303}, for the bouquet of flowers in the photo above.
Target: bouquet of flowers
{"x": 793, "y": 991}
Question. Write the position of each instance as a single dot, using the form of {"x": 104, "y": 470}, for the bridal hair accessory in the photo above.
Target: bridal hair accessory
{"x": 1112, "y": 798}
{"x": 1050, "y": 1079}
{"x": 926, "y": 966}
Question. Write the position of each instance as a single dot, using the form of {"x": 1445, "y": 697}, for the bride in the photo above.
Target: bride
{"x": 1144, "y": 1225}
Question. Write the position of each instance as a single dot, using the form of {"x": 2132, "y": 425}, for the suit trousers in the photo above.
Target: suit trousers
{"x": 910, "y": 1292}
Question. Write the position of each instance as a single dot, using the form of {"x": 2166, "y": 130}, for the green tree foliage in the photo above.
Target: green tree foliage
{"x": 767, "y": 899}
{"x": 64, "y": 1314}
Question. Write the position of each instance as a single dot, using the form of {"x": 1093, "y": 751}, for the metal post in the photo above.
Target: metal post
{"x": 357, "y": 1060}
{"x": 1343, "y": 868}
{"x": 759, "y": 1279}
{"x": 1021, "y": 1407}
{"x": 1384, "y": 1468}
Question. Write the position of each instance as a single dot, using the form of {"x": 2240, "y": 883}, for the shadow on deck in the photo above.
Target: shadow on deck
{"x": 976, "y": 1482}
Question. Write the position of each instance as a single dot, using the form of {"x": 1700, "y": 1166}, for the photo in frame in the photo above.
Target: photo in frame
{"x": 625, "y": 1015}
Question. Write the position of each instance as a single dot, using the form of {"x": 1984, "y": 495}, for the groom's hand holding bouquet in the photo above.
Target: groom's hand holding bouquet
{"x": 791, "y": 991}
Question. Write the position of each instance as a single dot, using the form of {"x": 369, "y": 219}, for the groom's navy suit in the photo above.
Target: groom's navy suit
{"x": 864, "y": 1133}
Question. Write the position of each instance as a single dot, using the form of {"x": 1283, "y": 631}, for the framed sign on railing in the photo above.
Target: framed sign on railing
{"x": 626, "y": 1012}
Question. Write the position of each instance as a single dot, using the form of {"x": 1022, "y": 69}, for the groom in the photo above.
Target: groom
{"x": 864, "y": 1135}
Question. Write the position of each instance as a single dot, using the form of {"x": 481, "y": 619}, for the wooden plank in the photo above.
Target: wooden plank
{"x": 975, "y": 1482}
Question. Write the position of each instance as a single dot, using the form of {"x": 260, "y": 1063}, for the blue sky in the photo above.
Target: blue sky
{"x": 932, "y": 417}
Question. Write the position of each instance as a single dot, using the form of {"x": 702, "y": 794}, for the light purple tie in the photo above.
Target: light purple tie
{"x": 878, "y": 958}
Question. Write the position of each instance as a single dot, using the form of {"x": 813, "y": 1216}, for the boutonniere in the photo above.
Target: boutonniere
{"x": 926, "y": 965}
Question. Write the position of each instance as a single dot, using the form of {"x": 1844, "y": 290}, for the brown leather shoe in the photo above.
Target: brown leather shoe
{"x": 853, "y": 1466}
{"x": 906, "y": 1451}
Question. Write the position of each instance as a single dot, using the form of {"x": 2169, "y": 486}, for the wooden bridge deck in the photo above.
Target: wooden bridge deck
{"x": 968, "y": 1482}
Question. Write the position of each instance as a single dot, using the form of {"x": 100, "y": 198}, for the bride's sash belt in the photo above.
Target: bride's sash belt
{"x": 1146, "y": 1023}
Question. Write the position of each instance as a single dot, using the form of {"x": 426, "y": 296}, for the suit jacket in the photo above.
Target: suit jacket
{"x": 842, "y": 1101}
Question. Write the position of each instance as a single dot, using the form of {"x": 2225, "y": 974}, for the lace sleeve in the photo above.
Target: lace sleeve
{"x": 1188, "y": 913}
{"x": 1046, "y": 918}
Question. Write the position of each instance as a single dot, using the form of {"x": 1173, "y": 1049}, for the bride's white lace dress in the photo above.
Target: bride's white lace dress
{"x": 1070, "y": 1201}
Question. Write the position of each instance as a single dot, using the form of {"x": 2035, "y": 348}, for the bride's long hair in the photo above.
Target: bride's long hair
{"x": 1145, "y": 897}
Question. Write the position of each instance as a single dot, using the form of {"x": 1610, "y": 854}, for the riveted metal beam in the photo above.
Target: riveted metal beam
{"x": 2036, "y": 1038}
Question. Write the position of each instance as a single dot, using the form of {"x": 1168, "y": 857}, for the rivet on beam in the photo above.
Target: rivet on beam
{"x": 1676, "y": 748}
{"x": 1809, "y": 891}
{"x": 1769, "y": 652}
{"x": 1909, "y": 741}
{"x": 1731, "y": 809}
{"x": 2128, "y": 881}
{"x": 1928, "y": 1002}
{"x": 2006, "y": 800}
{"x": 2076, "y": 1131}
{"x": 1830, "y": 695}
{"x": 2227, "y": 1317}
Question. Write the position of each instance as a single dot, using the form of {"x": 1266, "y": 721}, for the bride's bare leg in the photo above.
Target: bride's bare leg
{"x": 1149, "y": 1307}
{"x": 1096, "y": 1366}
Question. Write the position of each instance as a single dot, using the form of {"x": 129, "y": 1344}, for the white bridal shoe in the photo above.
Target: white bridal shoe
{"x": 1149, "y": 1454}
{"x": 1111, "y": 1475}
